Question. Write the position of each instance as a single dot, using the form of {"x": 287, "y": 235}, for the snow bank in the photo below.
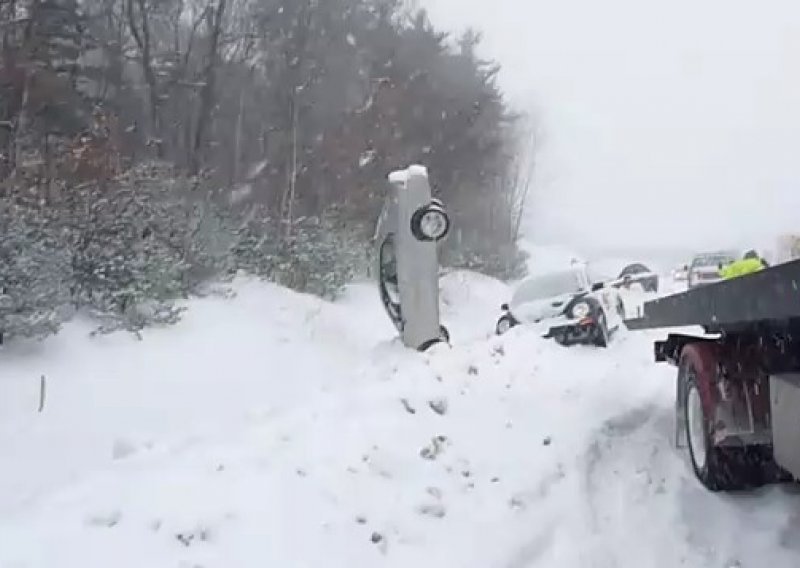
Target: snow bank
{"x": 471, "y": 304}
{"x": 228, "y": 360}
{"x": 275, "y": 429}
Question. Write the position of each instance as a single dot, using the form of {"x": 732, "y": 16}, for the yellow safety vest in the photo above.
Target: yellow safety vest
{"x": 741, "y": 267}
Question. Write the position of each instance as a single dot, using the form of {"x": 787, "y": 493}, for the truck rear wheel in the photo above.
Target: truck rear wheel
{"x": 708, "y": 462}
{"x": 717, "y": 468}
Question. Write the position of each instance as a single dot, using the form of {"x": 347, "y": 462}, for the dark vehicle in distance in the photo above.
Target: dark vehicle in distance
{"x": 637, "y": 273}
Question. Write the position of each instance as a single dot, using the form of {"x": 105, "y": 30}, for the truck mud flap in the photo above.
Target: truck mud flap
{"x": 785, "y": 399}
{"x": 659, "y": 351}
{"x": 669, "y": 350}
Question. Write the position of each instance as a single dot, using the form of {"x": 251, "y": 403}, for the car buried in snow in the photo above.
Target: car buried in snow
{"x": 567, "y": 306}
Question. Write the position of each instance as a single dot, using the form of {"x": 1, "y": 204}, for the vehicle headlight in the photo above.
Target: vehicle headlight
{"x": 580, "y": 310}
{"x": 430, "y": 223}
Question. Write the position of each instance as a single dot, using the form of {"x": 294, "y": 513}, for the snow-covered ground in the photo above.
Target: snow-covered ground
{"x": 274, "y": 429}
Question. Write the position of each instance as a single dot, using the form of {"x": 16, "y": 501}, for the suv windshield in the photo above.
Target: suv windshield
{"x": 547, "y": 286}
{"x": 713, "y": 260}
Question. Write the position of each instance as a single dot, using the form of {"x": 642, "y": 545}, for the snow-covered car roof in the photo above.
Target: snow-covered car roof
{"x": 548, "y": 285}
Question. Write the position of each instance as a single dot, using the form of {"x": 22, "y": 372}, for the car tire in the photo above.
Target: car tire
{"x": 602, "y": 336}
{"x": 444, "y": 337}
{"x": 504, "y": 324}
{"x": 416, "y": 222}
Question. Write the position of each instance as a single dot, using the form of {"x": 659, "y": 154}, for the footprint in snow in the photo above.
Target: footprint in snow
{"x": 434, "y": 510}
{"x": 107, "y": 519}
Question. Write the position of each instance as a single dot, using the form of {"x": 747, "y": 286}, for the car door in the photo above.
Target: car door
{"x": 603, "y": 295}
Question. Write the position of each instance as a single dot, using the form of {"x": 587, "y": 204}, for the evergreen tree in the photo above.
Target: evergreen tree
{"x": 34, "y": 273}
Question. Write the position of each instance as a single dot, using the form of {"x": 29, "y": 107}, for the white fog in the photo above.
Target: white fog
{"x": 668, "y": 124}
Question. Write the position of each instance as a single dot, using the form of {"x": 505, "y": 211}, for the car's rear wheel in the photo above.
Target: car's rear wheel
{"x": 504, "y": 324}
{"x": 444, "y": 337}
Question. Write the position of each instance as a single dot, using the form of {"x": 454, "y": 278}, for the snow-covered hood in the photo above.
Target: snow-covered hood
{"x": 537, "y": 310}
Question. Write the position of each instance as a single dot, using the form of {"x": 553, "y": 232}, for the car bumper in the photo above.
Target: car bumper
{"x": 694, "y": 283}
{"x": 573, "y": 332}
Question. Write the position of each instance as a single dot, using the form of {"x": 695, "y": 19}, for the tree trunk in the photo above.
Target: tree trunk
{"x": 237, "y": 141}
{"x": 207, "y": 94}
{"x": 143, "y": 41}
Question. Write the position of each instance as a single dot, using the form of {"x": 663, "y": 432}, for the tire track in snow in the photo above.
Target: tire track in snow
{"x": 643, "y": 506}
{"x": 597, "y": 455}
{"x": 534, "y": 550}
{"x": 632, "y": 486}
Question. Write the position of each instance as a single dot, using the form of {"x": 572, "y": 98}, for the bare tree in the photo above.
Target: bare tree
{"x": 139, "y": 26}
{"x": 214, "y": 20}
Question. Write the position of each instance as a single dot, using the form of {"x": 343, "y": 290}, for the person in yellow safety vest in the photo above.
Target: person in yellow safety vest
{"x": 747, "y": 265}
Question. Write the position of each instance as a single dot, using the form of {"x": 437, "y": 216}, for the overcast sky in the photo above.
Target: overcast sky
{"x": 673, "y": 123}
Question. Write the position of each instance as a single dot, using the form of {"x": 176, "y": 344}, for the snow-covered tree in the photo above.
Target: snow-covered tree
{"x": 320, "y": 256}
{"x": 34, "y": 273}
{"x": 306, "y": 104}
{"x": 131, "y": 246}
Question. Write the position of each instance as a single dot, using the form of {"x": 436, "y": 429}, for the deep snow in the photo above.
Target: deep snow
{"x": 274, "y": 429}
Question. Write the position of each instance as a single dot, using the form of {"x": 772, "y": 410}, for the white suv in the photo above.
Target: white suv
{"x": 704, "y": 268}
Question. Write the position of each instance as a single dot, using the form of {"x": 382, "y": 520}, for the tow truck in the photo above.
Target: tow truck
{"x": 737, "y": 396}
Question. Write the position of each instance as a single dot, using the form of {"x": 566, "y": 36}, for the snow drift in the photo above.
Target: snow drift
{"x": 275, "y": 429}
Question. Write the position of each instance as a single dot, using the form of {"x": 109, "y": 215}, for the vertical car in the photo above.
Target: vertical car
{"x": 410, "y": 225}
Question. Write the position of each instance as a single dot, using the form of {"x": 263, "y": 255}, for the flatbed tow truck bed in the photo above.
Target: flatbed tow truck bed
{"x": 771, "y": 296}
{"x": 738, "y": 384}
